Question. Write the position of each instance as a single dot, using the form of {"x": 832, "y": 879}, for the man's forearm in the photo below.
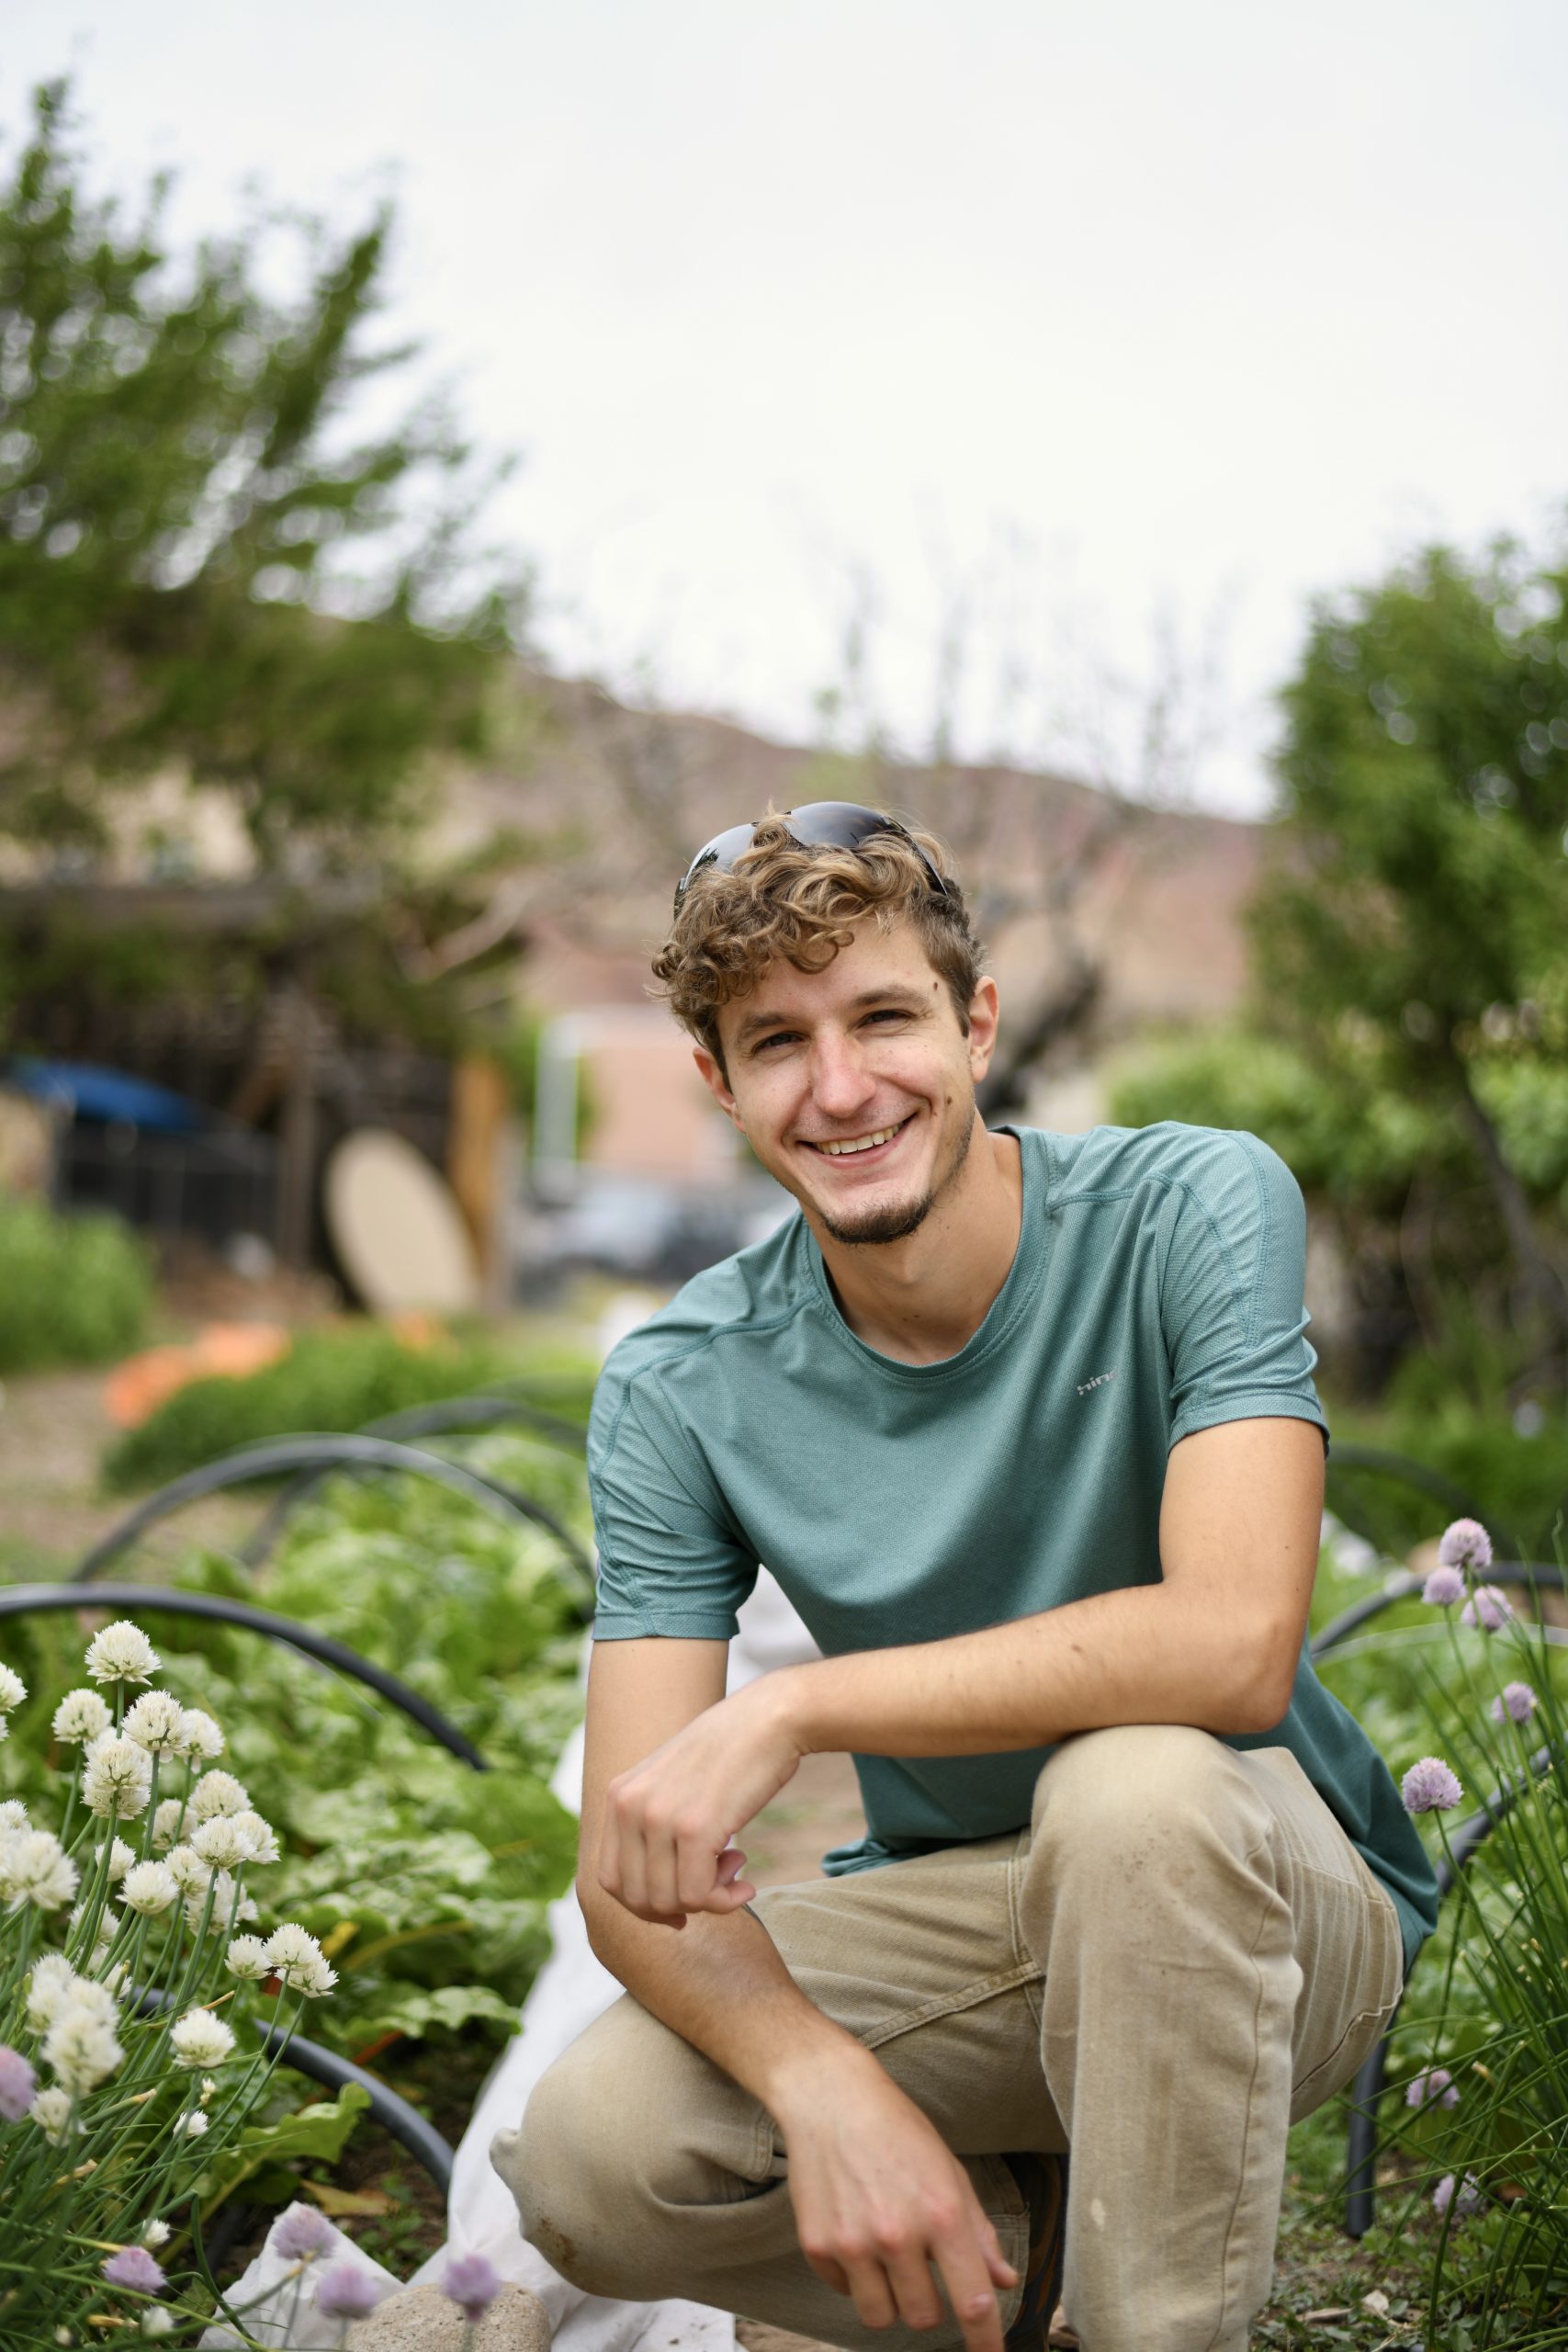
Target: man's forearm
{"x": 1141, "y": 1655}
{"x": 721, "y": 1985}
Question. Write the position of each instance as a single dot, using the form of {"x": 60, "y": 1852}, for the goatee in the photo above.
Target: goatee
{"x": 896, "y": 1219}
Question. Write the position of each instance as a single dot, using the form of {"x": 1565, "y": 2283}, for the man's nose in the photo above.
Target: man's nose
{"x": 840, "y": 1082}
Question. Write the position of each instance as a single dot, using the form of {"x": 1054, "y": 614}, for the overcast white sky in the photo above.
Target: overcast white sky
{"x": 1081, "y": 314}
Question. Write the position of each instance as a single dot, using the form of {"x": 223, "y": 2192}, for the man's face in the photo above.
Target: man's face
{"x": 855, "y": 1085}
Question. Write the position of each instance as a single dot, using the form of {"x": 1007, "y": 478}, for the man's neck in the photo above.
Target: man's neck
{"x": 922, "y": 1299}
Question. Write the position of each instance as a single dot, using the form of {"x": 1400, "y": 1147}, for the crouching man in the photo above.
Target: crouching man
{"x": 1024, "y": 1424}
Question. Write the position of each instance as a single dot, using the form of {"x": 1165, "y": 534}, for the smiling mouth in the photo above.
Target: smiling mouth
{"x": 852, "y": 1147}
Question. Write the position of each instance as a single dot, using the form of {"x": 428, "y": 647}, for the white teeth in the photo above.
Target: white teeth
{"x": 860, "y": 1143}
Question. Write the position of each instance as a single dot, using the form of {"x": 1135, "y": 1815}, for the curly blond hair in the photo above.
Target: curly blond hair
{"x": 781, "y": 898}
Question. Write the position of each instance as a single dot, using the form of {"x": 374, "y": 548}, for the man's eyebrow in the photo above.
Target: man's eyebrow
{"x": 910, "y": 999}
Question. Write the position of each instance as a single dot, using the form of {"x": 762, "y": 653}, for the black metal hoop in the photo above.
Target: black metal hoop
{"x": 483, "y": 1411}
{"x": 22, "y": 1600}
{"x": 318, "y": 2064}
{"x": 275, "y": 1457}
{"x": 1407, "y": 1586}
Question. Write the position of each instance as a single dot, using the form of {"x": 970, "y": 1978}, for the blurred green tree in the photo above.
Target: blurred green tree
{"x": 1420, "y": 887}
{"x": 206, "y": 564}
{"x": 1408, "y": 1048}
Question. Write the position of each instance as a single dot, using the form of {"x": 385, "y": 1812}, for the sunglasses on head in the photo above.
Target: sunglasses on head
{"x": 821, "y": 824}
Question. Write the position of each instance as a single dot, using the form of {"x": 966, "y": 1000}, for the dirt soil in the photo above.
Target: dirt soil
{"x": 53, "y": 1433}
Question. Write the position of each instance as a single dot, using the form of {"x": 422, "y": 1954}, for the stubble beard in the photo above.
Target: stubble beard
{"x": 896, "y": 1220}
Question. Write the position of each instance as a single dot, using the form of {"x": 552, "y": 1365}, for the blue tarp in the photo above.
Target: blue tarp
{"x": 110, "y": 1095}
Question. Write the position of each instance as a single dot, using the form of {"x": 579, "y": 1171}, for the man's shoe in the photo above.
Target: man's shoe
{"x": 1044, "y": 2183}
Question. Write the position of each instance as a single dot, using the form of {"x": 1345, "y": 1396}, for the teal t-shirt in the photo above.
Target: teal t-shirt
{"x": 1156, "y": 1290}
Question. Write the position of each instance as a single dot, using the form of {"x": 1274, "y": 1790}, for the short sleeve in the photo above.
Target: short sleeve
{"x": 671, "y": 1560}
{"x": 1231, "y": 1292}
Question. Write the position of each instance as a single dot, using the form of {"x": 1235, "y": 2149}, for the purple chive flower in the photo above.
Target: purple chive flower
{"x": 134, "y": 2266}
{"x": 1468, "y": 2200}
{"x": 1487, "y": 1607}
{"x": 345, "y": 2292}
{"x": 472, "y": 2283}
{"x": 1430, "y": 1787}
{"x": 1443, "y": 1587}
{"x": 301, "y": 2232}
{"x": 17, "y": 2083}
{"x": 1428, "y": 2089}
{"x": 1518, "y": 1701}
{"x": 1465, "y": 1544}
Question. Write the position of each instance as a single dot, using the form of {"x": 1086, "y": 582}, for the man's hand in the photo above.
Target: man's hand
{"x": 664, "y": 1849}
{"x": 881, "y": 2201}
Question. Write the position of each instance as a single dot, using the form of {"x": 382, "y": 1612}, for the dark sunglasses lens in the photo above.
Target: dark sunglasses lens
{"x": 820, "y": 824}
{"x": 837, "y": 824}
{"x": 844, "y": 824}
{"x": 722, "y": 851}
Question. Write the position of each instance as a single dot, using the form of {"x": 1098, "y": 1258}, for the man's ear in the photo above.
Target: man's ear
{"x": 984, "y": 1018}
{"x": 711, "y": 1071}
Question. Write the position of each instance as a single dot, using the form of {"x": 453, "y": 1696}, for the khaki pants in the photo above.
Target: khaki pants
{"x": 1182, "y": 1956}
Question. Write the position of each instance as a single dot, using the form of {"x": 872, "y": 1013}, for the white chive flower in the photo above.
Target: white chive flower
{"x": 154, "y": 2235}
{"x": 217, "y": 1793}
{"x": 193, "y": 2124}
{"x": 117, "y": 1779}
{"x": 13, "y": 1690}
{"x": 199, "y": 1736}
{"x": 263, "y": 1837}
{"x": 105, "y": 1931}
{"x": 149, "y": 1889}
{"x": 299, "y": 1959}
{"x": 51, "y": 2112}
{"x": 200, "y": 2040}
{"x": 187, "y": 1870}
{"x": 121, "y": 1857}
{"x": 13, "y": 1816}
{"x": 222, "y": 1842}
{"x": 39, "y": 1869}
{"x": 122, "y": 1653}
{"x": 247, "y": 1958}
{"x": 157, "y": 2321}
{"x": 156, "y": 1722}
{"x": 172, "y": 1821}
{"x": 90, "y": 1997}
{"x": 79, "y": 2049}
{"x": 80, "y": 1715}
{"x": 51, "y": 1980}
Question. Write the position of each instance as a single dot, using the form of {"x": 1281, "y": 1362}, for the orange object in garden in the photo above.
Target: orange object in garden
{"x": 136, "y": 1388}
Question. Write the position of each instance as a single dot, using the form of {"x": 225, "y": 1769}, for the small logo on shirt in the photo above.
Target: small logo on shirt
{"x": 1098, "y": 1382}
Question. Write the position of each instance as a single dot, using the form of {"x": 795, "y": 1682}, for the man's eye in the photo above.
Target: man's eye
{"x": 779, "y": 1037}
{"x": 888, "y": 1012}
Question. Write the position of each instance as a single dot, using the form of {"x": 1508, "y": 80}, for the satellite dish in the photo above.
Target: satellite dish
{"x": 396, "y": 1228}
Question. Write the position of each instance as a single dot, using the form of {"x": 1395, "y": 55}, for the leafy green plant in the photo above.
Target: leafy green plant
{"x": 72, "y": 1289}
{"x": 336, "y": 1377}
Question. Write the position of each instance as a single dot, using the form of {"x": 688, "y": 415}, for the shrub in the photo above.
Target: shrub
{"x": 72, "y": 1289}
{"x": 339, "y": 1378}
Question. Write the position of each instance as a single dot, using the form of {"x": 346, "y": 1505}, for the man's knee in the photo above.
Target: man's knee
{"x": 568, "y": 2175}
{"x": 629, "y": 2128}
{"x": 1159, "y": 1795}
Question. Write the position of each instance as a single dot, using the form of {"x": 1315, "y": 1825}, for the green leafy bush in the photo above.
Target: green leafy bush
{"x": 72, "y": 1289}
{"x": 426, "y": 1882}
{"x": 338, "y": 1377}
{"x": 1516, "y": 1482}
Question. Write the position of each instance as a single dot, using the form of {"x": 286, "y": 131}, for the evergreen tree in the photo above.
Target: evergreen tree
{"x": 203, "y": 566}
